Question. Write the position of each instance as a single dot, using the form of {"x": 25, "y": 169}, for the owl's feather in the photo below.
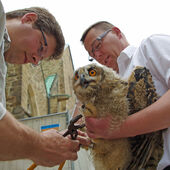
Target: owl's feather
{"x": 103, "y": 93}
{"x": 147, "y": 149}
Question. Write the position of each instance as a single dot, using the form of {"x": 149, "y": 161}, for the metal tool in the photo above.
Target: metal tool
{"x": 72, "y": 131}
{"x": 72, "y": 128}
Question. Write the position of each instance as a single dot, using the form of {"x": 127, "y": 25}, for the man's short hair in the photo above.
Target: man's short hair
{"x": 101, "y": 25}
{"x": 47, "y": 22}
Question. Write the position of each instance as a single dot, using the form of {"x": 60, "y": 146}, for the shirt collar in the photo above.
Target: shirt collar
{"x": 7, "y": 40}
{"x": 124, "y": 58}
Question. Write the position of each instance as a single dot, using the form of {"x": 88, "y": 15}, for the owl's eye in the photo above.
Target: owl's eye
{"x": 76, "y": 76}
{"x": 92, "y": 72}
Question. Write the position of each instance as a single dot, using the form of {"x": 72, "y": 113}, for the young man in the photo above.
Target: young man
{"x": 29, "y": 36}
{"x": 109, "y": 46}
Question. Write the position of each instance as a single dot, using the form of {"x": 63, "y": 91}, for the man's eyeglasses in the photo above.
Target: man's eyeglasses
{"x": 43, "y": 49}
{"x": 97, "y": 43}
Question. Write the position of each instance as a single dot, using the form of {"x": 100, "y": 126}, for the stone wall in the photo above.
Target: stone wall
{"x": 33, "y": 98}
{"x": 68, "y": 74}
{"x": 13, "y": 84}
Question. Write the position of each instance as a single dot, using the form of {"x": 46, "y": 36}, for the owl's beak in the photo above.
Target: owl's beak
{"x": 84, "y": 83}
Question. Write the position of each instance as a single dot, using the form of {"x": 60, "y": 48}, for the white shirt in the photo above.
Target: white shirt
{"x": 154, "y": 54}
{"x": 4, "y": 45}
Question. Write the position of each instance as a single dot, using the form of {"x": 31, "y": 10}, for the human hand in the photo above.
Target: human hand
{"x": 53, "y": 149}
{"x": 100, "y": 127}
{"x": 83, "y": 138}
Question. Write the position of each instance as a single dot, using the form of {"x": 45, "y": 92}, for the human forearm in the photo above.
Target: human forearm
{"x": 16, "y": 139}
{"x": 153, "y": 118}
{"x": 49, "y": 148}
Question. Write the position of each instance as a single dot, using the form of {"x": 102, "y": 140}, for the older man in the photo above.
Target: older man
{"x": 109, "y": 46}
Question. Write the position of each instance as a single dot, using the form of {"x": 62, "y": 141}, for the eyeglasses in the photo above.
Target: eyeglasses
{"x": 42, "y": 50}
{"x": 97, "y": 43}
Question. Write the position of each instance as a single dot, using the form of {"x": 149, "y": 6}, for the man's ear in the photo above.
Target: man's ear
{"x": 117, "y": 31}
{"x": 29, "y": 18}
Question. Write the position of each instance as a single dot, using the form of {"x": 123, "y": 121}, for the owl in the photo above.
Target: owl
{"x": 103, "y": 92}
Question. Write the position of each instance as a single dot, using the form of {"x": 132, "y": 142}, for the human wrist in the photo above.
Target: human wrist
{"x": 32, "y": 143}
{"x": 119, "y": 131}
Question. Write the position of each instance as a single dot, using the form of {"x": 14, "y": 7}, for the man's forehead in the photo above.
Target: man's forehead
{"x": 94, "y": 32}
{"x": 91, "y": 36}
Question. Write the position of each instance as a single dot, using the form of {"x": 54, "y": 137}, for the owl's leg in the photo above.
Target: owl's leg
{"x": 89, "y": 110}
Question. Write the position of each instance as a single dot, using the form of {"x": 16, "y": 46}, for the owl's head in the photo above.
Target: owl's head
{"x": 90, "y": 79}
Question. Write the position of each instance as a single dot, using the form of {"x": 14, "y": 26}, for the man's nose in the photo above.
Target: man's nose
{"x": 35, "y": 59}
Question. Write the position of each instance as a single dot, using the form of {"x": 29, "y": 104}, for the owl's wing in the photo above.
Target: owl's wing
{"x": 142, "y": 92}
{"x": 146, "y": 149}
